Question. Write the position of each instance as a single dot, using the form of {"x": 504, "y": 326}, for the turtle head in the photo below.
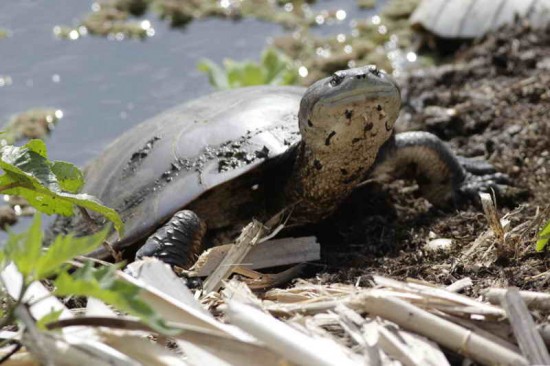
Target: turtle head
{"x": 352, "y": 110}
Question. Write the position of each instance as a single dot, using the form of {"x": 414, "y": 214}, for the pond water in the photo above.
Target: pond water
{"x": 104, "y": 86}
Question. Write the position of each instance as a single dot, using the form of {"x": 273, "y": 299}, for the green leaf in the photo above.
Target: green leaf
{"x": 251, "y": 74}
{"x": 24, "y": 249}
{"x": 102, "y": 284}
{"x": 52, "y": 316}
{"x": 65, "y": 248}
{"x": 544, "y": 237}
{"x": 28, "y": 173}
{"x": 69, "y": 177}
{"x": 37, "y": 146}
{"x": 216, "y": 75}
{"x": 273, "y": 64}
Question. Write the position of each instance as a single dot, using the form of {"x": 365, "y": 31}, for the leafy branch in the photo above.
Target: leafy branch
{"x": 50, "y": 186}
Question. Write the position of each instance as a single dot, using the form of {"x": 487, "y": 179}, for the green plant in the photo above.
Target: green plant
{"x": 49, "y": 186}
{"x": 35, "y": 263}
{"x": 273, "y": 69}
{"x": 544, "y": 236}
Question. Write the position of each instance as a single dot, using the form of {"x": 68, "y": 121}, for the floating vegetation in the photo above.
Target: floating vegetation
{"x": 4, "y": 33}
{"x": 378, "y": 40}
{"x": 366, "y": 4}
{"x": 32, "y": 124}
{"x": 384, "y": 39}
{"x": 273, "y": 69}
{"x": 113, "y": 18}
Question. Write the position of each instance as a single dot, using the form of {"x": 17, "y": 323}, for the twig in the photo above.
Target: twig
{"x": 529, "y": 340}
{"x": 296, "y": 346}
{"x": 490, "y": 211}
{"x": 268, "y": 280}
{"x": 250, "y": 235}
{"x": 448, "y": 334}
{"x": 33, "y": 341}
{"x": 460, "y": 285}
{"x": 15, "y": 349}
{"x": 533, "y": 300}
{"x": 272, "y": 253}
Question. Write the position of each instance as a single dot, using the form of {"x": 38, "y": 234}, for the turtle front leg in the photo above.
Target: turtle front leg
{"x": 178, "y": 242}
{"x": 443, "y": 177}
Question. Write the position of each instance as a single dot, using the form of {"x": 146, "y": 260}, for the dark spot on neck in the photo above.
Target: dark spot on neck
{"x": 344, "y": 171}
{"x": 368, "y": 127}
{"x": 355, "y": 140}
{"x": 317, "y": 164}
{"x": 348, "y": 113}
{"x": 309, "y": 123}
{"x": 378, "y": 107}
{"x": 330, "y": 135}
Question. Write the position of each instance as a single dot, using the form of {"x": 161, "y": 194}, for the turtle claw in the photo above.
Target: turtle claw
{"x": 476, "y": 166}
{"x": 472, "y": 185}
{"x": 481, "y": 177}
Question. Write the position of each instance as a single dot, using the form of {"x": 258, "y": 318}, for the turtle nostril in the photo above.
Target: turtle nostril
{"x": 336, "y": 79}
{"x": 374, "y": 70}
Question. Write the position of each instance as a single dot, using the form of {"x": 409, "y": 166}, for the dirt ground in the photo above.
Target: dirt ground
{"x": 492, "y": 102}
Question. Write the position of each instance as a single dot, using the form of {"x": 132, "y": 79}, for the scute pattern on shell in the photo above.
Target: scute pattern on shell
{"x": 474, "y": 18}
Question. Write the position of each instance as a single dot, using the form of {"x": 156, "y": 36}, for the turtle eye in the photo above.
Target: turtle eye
{"x": 336, "y": 79}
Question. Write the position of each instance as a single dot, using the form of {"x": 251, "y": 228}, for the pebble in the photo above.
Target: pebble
{"x": 439, "y": 244}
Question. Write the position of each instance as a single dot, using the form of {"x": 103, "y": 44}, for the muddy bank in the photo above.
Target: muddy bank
{"x": 492, "y": 102}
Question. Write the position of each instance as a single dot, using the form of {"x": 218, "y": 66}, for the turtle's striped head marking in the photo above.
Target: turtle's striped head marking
{"x": 353, "y": 110}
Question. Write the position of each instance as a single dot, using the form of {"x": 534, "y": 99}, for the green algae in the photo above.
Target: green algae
{"x": 366, "y": 4}
{"x": 370, "y": 41}
{"x": 32, "y": 124}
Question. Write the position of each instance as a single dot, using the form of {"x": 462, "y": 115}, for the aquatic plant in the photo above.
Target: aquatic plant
{"x": 273, "y": 69}
{"x": 32, "y": 124}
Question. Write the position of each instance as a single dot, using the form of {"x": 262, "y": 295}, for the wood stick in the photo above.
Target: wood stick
{"x": 450, "y": 335}
{"x": 533, "y": 300}
{"x": 248, "y": 238}
{"x": 281, "y": 338}
{"x": 272, "y": 253}
{"x": 529, "y": 340}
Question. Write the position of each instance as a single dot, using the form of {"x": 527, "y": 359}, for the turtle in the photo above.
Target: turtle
{"x": 195, "y": 175}
{"x": 467, "y": 19}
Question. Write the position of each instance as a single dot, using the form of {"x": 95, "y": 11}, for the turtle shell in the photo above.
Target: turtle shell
{"x": 473, "y": 18}
{"x": 165, "y": 163}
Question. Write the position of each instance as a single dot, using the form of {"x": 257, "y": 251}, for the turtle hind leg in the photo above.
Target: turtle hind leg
{"x": 178, "y": 242}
